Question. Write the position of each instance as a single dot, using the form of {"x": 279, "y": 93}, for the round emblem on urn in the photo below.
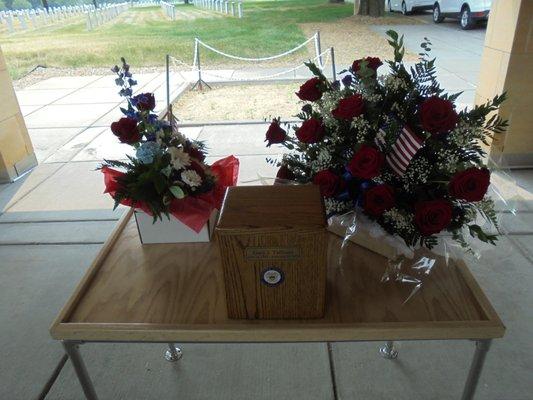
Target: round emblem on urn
{"x": 272, "y": 276}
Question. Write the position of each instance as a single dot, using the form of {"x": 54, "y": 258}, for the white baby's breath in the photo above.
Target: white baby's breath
{"x": 334, "y": 206}
{"x": 402, "y": 223}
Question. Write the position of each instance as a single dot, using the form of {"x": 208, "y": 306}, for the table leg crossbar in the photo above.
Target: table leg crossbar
{"x": 174, "y": 353}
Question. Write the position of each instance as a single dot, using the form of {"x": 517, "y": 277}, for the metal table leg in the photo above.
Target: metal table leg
{"x": 71, "y": 348}
{"x": 482, "y": 347}
{"x": 388, "y": 351}
{"x": 173, "y": 353}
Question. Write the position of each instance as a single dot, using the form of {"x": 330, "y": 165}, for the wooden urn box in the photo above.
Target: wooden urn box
{"x": 273, "y": 246}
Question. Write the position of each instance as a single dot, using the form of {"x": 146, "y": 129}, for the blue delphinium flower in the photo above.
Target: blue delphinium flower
{"x": 147, "y": 152}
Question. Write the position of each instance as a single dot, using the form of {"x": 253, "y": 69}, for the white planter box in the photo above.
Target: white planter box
{"x": 171, "y": 231}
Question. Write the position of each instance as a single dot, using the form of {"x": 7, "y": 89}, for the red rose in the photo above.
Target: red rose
{"x": 275, "y": 134}
{"x": 350, "y": 107}
{"x": 328, "y": 182}
{"x": 378, "y": 199}
{"x": 432, "y": 216}
{"x": 126, "y": 130}
{"x": 366, "y": 163}
{"x": 144, "y": 101}
{"x": 311, "y": 131}
{"x": 284, "y": 173}
{"x": 195, "y": 152}
{"x": 371, "y": 62}
{"x": 437, "y": 115}
{"x": 470, "y": 184}
{"x": 310, "y": 90}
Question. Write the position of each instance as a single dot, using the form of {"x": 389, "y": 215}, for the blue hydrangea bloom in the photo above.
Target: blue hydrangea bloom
{"x": 147, "y": 151}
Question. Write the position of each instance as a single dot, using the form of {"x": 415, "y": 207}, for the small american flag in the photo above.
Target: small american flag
{"x": 403, "y": 151}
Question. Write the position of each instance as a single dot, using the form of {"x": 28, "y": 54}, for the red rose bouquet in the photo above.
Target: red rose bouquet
{"x": 168, "y": 175}
{"x": 395, "y": 148}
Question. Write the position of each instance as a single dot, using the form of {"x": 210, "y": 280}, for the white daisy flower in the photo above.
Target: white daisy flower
{"x": 179, "y": 158}
{"x": 191, "y": 178}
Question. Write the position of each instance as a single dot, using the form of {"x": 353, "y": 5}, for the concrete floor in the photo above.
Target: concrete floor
{"x": 54, "y": 220}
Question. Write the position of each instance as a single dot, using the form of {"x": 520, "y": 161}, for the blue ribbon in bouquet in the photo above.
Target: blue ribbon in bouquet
{"x": 351, "y": 194}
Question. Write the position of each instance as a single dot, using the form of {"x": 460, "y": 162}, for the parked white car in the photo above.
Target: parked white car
{"x": 408, "y": 6}
{"x": 468, "y": 12}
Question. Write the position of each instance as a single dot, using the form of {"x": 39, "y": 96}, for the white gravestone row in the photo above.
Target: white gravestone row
{"x": 169, "y": 10}
{"x": 233, "y": 8}
{"x": 146, "y": 3}
{"x": 38, "y": 17}
{"x": 105, "y": 13}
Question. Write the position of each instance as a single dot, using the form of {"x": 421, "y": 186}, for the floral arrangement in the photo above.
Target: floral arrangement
{"x": 393, "y": 147}
{"x": 168, "y": 174}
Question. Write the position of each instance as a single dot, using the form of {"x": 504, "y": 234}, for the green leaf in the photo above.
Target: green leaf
{"x": 177, "y": 192}
{"x": 392, "y": 34}
{"x": 166, "y": 171}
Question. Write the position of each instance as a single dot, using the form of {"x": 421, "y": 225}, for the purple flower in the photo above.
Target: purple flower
{"x": 347, "y": 80}
{"x": 144, "y": 101}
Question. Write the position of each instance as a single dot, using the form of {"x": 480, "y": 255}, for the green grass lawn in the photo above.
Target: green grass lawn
{"x": 144, "y": 36}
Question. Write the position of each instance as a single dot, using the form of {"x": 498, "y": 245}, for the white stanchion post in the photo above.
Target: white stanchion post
{"x": 225, "y": 7}
{"x": 318, "y": 48}
{"x": 240, "y": 9}
{"x": 167, "y": 59}
{"x": 233, "y": 8}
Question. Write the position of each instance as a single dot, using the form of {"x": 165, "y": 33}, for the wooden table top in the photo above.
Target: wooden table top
{"x": 175, "y": 293}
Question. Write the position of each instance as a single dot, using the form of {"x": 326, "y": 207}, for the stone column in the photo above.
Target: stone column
{"x": 507, "y": 66}
{"x": 16, "y": 150}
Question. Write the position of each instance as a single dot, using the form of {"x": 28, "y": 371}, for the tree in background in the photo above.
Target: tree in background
{"x": 3, "y": 6}
{"x": 45, "y": 4}
{"x": 373, "y": 8}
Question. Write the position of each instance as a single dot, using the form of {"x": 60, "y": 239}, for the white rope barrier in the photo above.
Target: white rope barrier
{"x": 260, "y": 58}
{"x": 271, "y": 76}
{"x": 196, "y": 67}
{"x": 177, "y": 62}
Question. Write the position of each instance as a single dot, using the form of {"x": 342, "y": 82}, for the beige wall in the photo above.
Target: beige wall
{"x": 507, "y": 65}
{"x": 16, "y": 150}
